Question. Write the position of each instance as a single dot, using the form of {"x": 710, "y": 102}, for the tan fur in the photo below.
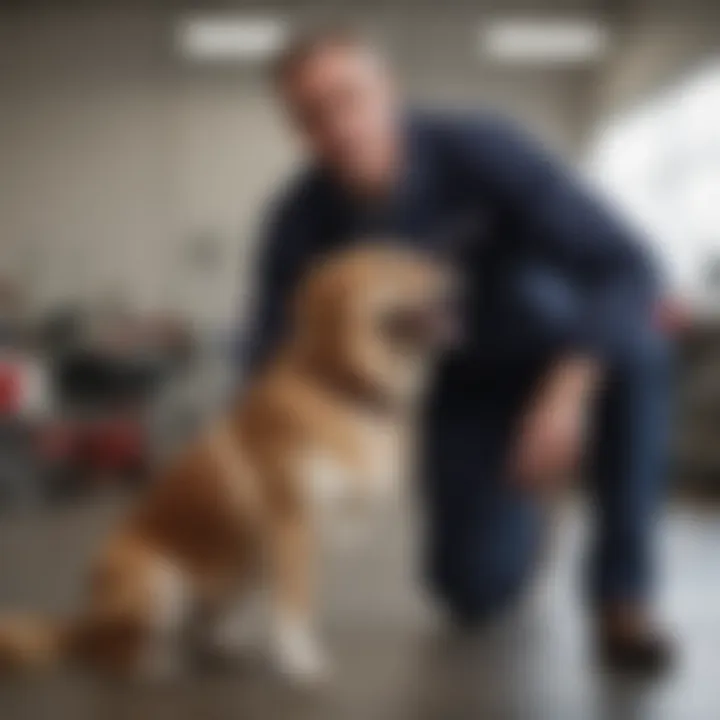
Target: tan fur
{"x": 236, "y": 506}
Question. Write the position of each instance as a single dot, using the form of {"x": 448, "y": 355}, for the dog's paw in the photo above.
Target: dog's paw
{"x": 299, "y": 657}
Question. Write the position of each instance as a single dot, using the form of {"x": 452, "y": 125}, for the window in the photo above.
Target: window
{"x": 661, "y": 164}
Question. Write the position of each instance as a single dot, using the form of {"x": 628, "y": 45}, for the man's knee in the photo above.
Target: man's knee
{"x": 475, "y": 584}
{"x": 472, "y": 600}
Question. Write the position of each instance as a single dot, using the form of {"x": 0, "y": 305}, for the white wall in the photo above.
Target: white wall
{"x": 114, "y": 158}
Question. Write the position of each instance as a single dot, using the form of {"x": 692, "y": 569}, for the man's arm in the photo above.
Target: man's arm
{"x": 268, "y": 306}
{"x": 286, "y": 246}
{"x": 553, "y": 429}
{"x": 615, "y": 281}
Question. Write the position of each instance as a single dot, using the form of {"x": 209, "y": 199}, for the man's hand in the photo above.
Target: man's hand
{"x": 552, "y": 431}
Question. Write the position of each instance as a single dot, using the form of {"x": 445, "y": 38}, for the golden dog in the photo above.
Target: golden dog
{"x": 323, "y": 426}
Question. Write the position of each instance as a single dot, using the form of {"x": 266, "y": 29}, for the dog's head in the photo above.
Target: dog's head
{"x": 376, "y": 317}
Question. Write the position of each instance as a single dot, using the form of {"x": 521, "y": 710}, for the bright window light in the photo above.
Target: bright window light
{"x": 230, "y": 37}
{"x": 547, "y": 41}
{"x": 661, "y": 165}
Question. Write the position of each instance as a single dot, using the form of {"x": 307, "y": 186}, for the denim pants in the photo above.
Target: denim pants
{"x": 482, "y": 532}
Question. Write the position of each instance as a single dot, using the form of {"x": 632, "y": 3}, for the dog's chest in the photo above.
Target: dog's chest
{"x": 349, "y": 484}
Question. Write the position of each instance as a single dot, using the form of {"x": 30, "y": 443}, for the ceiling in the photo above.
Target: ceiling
{"x": 334, "y": 7}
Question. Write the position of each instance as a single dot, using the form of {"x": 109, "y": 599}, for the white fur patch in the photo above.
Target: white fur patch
{"x": 170, "y": 608}
{"x": 375, "y": 477}
{"x": 329, "y": 481}
{"x": 171, "y": 596}
{"x": 346, "y": 498}
{"x": 296, "y": 650}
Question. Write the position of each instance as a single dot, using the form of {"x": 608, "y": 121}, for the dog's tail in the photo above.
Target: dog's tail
{"x": 33, "y": 643}
{"x": 106, "y": 642}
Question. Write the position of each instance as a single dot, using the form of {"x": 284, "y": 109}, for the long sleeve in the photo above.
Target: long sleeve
{"x": 266, "y": 318}
{"x": 286, "y": 246}
{"x": 564, "y": 226}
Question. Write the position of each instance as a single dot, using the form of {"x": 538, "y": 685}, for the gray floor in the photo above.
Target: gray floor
{"x": 394, "y": 657}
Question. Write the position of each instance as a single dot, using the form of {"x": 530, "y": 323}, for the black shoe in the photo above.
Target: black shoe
{"x": 644, "y": 653}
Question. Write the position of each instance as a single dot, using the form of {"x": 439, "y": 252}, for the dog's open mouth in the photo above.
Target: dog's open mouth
{"x": 431, "y": 323}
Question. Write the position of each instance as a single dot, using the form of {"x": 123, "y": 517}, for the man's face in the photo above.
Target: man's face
{"x": 342, "y": 102}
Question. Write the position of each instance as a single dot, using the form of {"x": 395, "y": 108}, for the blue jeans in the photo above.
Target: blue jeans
{"x": 482, "y": 533}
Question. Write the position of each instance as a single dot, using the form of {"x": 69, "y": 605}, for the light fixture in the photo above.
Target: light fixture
{"x": 549, "y": 41}
{"x": 230, "y": 37}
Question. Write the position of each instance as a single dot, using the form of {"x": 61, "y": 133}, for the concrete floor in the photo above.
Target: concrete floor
{"x": 394, "y": 657}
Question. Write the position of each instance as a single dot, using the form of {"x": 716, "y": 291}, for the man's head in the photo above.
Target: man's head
{"x": 340, "y": 96}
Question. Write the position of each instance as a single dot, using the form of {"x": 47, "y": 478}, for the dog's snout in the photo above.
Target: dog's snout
{"x": 433, "y": 322}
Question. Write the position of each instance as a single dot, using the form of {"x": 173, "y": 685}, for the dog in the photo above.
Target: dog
{"x": 322, "y": 430}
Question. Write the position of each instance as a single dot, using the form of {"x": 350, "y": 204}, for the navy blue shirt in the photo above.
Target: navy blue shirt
{"x": 528, "y": 236}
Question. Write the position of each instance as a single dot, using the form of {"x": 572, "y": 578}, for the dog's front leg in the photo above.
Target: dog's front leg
{"x": 295, "y": 647}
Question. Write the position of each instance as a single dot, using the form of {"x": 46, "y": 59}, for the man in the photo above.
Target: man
{"x": 559, "y": 323}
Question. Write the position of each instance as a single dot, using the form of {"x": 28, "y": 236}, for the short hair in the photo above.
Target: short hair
{"x": 304, "y": 44}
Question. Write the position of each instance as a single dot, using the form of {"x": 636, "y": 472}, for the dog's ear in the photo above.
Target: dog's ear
{"x": 318, "y": 307}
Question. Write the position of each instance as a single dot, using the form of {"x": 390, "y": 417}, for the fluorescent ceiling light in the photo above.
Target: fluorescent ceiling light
{"x": 230, "y": 37}
{"x": 556, "y": 41}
